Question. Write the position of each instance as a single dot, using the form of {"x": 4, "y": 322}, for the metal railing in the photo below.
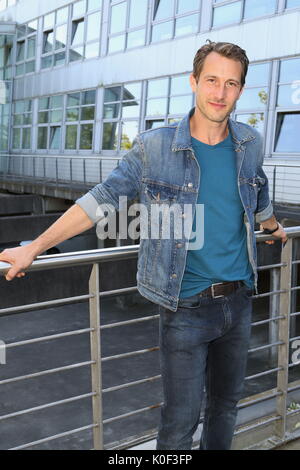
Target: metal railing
{"x": 58, "y": 169}
{"x": 96, "y": 258}
{"x": 284, "y": 182}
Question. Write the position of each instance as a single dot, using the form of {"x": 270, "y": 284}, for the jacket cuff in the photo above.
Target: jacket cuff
{"x": 265, "y": 214}
{"x": 91, "y": 207}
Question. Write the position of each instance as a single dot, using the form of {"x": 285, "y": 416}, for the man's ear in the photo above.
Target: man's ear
{"x": 193, "y": 82}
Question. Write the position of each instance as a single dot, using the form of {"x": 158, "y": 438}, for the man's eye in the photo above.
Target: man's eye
{"x": 231, "y": 84}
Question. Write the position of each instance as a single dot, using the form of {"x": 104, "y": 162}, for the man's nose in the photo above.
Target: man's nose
{"x": 220, "y": 91}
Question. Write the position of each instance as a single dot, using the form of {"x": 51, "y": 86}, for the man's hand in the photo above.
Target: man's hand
{"x": 280, "y": 233}
{"x": 20, "y": 259}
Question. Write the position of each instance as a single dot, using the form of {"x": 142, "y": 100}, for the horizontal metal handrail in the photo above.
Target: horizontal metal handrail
{"x": 63, "y": 157}
{"x": 110, "y": 254}
{"x": 96, "y": 257}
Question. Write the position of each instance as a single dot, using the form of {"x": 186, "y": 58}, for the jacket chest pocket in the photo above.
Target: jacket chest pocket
{"x": 250, "y": 188}
{"x": 159, "y": 194}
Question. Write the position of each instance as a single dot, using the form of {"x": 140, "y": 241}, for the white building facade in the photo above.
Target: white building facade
{"x": 83, "y": 78}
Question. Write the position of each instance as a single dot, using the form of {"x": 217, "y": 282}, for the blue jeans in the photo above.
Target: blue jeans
{"x": 204, "y": 344}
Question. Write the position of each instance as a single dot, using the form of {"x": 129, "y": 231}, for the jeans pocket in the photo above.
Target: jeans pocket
{"x": 194, "y": 301}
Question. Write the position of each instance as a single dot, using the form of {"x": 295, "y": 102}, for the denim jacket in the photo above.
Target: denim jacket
{"x": 161, "y": 168}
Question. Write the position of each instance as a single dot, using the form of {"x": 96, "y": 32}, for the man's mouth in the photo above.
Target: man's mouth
{"x": 217, "y": 105}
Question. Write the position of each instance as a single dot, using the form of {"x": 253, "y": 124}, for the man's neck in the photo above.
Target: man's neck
{"x": 206, "y": 131}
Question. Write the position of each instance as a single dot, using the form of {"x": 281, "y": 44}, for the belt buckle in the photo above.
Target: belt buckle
{"x": 213, "y": 290}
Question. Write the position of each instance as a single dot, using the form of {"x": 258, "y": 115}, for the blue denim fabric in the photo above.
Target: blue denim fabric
{"x": 162, "y": 168}
{"x": 203, "y": 344}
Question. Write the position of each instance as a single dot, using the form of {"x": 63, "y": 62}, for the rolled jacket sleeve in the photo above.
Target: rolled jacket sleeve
{"x": 125, "y": 180}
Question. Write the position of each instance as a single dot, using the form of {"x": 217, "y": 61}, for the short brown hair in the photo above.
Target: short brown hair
{"x": 226, "y": 49}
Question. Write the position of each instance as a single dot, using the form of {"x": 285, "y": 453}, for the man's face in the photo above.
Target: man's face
{"x": 218, "y": 87}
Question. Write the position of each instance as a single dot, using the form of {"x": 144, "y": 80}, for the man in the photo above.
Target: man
{"x": 204, "y": 294}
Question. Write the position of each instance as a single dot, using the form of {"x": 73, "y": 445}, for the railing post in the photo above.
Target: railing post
{"x": 283, "y": 335}
{"x": 274, "y": 311}
{"x": 274, "y": 184}
{"x": 96, "y": 371}
{"x": 84, "y": 172}
{"x": 71, "y": 170}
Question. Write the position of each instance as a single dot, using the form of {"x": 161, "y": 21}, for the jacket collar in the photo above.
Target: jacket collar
{"x": 183, "y": 141}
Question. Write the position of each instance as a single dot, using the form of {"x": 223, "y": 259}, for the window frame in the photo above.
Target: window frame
{"x": 25, "y": 38}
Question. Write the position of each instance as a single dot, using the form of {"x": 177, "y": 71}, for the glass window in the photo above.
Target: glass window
{"x": 92, "y": 50}
{"x": 73, "y": 99}
{"x": 116, "y": 43}
{"x": 129, "y": 132}
{"x": 154, "y": 123}
{"x": 77, "y": 31}
{"x": 132, "y": 91}
{"x": 55, "y": 133}
{"x": 111, "y": 111}
{"x": 16, "y": 138}
{"x": 287, "y": 133}
{"x": 226, "y": 14}
{"x": 253, "y": 98}
{"x": 20, "y": 50}
{"x": 185, "y": 6}
{"x": 87, "y": 113}
{"x": 180, "y": 85}
{"x": 47, "y": 62}
{"x": 163, "y": 9}
{"x": 158, "y": 87}
{"x": 94, "y": 4}
{"x": 32, "y": 27}
{"x": 48, "y": 41}
{"x": 138, "y": 12}
{"x": 61, "y": 36}
{"x": 180, "y": 104}
{"x": 130, "y": 109}
{"x": 110, "y": 135}
{"x": 88, "y": 97}
{"x": 62, "y": 15}
{"x": 157, "y": 106}
{"x": 71, "y": 137}
{"x": 42, "y": 137}
{"x": 258, "y": 74}
{"x": 289, "y": 95}
{"x": 86, "y": 136}
{"x": 254, "y": 8}
{"x": 292, "y": 3}
{"x": 186, "y": 25}
{"x": 31, "y": 48}
{"x": 49, "y": 20}
{"x": 76, "y": 53}
{"x": 93, "y": 26}
{"x": 112, "y": 94}
{"x": 136, "y": 38}
{"x": 22, "y": 117}
{"x": 255, "y": 120}
{"x": 289, "y": 70}
{"x": 26, "y": 138}
{"x": 79, "y": 8}
{"x": 118, "y": 17}
{"x": 162, "y": 31}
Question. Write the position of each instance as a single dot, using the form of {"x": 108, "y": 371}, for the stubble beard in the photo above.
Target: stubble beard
{"x": 210, "y": 117}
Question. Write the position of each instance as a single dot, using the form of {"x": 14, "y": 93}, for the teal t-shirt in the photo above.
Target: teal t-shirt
{"x": 224, "y": 255}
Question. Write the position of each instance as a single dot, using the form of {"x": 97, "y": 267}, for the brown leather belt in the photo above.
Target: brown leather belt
{"x": 220, "y": 289}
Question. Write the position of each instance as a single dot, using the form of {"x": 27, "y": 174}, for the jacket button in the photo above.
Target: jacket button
{"x": 174, "y": 276}
{"x": 190, "y": 185}
{"x": 179, "y": 245}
